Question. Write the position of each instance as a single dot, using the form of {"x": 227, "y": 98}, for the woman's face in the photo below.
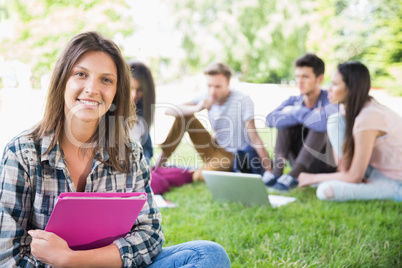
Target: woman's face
{"x": 91, "y": 87}
{"x": 136, "y": 92}
{"x": 338, "y": 91}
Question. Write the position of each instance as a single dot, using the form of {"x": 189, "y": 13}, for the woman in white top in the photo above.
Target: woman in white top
{"x": 366, "y": 139}
{"x": 143, "y": 97}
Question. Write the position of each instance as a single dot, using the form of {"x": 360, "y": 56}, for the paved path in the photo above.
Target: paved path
{"x": 21, "y": 109}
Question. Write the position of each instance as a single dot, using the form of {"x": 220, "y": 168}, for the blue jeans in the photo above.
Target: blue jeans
{"x": 378, "y": 185}
{"x": 248, "y": 161}
{"x": 192, "y": 254}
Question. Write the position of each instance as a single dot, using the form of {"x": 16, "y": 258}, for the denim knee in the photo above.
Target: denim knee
{"x": 218, "y": 253}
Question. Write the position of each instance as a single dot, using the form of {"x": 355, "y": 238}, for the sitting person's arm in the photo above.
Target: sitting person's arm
{"x": 292, "y": 112}
{"x": 53, "y": 250}
{"x": 16, "y": 197}
{"x": 282, "y": 116}
{"x": 364, "y": 144}
{"x": 189, "y": 108}
{"x": 257, "y": 144}
{"x": 315, "y": 119}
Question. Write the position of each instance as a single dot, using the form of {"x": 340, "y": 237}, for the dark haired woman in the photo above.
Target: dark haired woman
{"x": 143, "y": 96}
{"x": 82, "y": 145}
{"x": 366, "y": 138}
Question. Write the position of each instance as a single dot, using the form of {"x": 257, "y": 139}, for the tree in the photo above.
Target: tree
{"x": 369, "y": 31}
{"x": 43, "y": 28}
{"x": 258, "y": 39}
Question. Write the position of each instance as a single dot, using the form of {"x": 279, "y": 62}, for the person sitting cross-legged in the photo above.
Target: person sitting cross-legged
{"x": 234, "y": 137}
{"x": 302, "y": 123}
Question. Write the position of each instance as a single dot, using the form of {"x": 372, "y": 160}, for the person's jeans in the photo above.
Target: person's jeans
{"x": 248, "y": 161}
{"x": 147, "y": 147}
{"x": 192, "y": 254}
{"x": 378, "y": 186}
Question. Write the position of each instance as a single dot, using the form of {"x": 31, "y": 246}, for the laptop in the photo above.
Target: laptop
{"x": 245, "y": 188}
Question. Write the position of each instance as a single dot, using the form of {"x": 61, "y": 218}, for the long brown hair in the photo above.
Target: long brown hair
{"x": 356, "y": 77}
{"x": 114, "y": 138}
{"x": 143, "y": 75}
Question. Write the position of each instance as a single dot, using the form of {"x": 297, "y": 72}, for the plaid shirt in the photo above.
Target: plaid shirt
{"x": 30, "y": 183}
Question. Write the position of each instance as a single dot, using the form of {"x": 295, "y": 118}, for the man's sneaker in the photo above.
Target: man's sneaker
{"x": 269, "y": 179}
{"x": 285, "y": 183}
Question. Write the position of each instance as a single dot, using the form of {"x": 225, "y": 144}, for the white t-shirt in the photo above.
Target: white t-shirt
{"x": 228, "y": 120}
{"x": 138, "y": 131}
{"x": 387, "y": 151}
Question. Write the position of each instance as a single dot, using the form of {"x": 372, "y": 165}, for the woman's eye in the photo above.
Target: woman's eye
{"x": 79, "y": 74}
{"x": 108, "y": 81}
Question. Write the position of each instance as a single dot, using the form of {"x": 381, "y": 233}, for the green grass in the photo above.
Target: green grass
{"x": 305, "y": 233}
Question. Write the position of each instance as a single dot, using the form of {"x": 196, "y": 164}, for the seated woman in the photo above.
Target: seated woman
{"x": 77, "y": 147}
{"x": 143, "y": 97}
{"x": 367, "y": 139}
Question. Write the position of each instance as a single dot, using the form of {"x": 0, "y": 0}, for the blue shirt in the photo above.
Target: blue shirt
{"x": 313, "y": 118}
{"x": 31, "y": 181}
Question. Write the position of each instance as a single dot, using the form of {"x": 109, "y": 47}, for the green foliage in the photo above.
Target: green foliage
{"x": 45, "y": 27}
{"x": 112, "y": 15}
{"x": 51, "y": 5}
{"x": 25, "y": 35}
{"x": 260, "y": 39}
{"x": 22, "y": 10}
{"x": 368, "y": 31}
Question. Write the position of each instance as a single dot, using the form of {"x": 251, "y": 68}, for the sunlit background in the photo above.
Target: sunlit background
{"x": 259, "y": 39}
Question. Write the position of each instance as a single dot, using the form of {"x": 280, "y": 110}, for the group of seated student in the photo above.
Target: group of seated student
{"x": 364, "y": 135}
{"x": 341, "y": 139}
{"x": 315, "y": 129}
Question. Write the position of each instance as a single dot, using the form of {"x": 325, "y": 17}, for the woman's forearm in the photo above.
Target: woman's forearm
{"x": 308, "y": 178}
{"x": 108, "y": 256}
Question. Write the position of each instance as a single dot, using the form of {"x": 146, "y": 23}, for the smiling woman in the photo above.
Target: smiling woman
{"x": 90, "y": 89}
{"x": 82, "y": 145}
{"x": 82, "y": 74}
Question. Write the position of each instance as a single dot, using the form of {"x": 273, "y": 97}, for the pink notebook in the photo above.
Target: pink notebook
{"x": 93, "y": 220}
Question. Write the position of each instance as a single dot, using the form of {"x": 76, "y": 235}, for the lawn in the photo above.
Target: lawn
{"x": 305, "y": 233}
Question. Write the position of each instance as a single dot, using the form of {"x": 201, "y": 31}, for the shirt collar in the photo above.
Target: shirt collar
{"x": 319, "y": 103}
{"x": 55, "y": 155}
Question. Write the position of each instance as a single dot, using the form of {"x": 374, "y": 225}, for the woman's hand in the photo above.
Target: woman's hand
{"x": 306, "y": 179}
{"x": 49, "y": 248}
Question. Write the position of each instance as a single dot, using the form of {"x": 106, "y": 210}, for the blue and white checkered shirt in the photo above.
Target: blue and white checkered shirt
{"x": 31, "y": 181}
